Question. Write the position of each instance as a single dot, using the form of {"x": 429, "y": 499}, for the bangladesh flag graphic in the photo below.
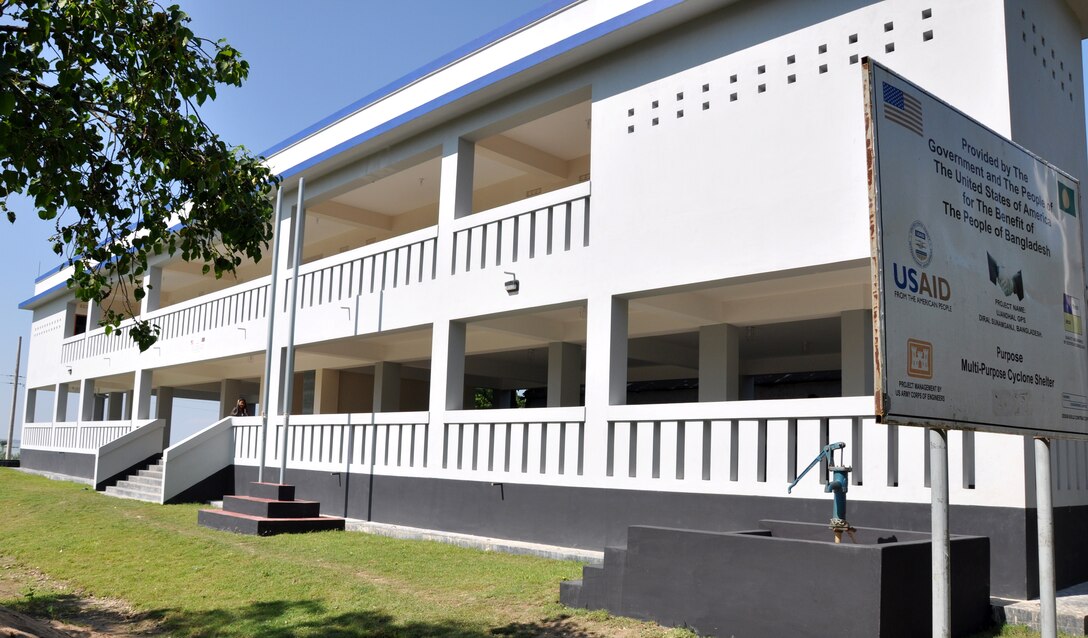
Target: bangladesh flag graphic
{"x": 1067, "y": 198}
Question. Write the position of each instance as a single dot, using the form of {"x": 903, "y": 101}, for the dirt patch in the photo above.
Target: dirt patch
{"x": 40, "y": 606}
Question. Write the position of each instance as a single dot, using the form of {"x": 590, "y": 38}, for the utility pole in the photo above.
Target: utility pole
{"x": 14, "y": 396}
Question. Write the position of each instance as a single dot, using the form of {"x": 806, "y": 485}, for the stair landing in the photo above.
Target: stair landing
{"x": 270, "y": 508}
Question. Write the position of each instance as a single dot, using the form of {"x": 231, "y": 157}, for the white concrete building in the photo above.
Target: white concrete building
{"x": 680, "y": 191}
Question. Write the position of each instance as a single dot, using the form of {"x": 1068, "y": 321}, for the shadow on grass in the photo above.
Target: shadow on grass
{"x": 289, "y": 619}
{"x": 70, "y": 608}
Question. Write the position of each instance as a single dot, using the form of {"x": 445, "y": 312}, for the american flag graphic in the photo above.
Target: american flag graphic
{"x": 902, "y": 108}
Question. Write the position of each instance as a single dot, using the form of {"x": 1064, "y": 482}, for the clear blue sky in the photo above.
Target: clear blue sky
{"x": 307, "y": 60}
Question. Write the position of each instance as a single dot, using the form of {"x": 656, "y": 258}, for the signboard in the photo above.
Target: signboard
{"x": 978, "y": 273}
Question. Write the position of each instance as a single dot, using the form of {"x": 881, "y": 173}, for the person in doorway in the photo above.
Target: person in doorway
{"x": 240, "y": 408}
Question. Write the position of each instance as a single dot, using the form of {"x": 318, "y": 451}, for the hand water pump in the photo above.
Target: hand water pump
{"x": 837, "y": 484}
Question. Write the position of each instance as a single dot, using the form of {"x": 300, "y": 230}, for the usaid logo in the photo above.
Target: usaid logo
{"x": 921, "y": 247}
{"x": 917, "y": 282}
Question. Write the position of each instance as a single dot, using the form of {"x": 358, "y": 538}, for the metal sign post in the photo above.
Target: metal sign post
{"x": 1048, "y": 604}
{"x": 939, "y": 541}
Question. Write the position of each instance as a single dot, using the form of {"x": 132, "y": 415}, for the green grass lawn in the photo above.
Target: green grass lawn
{"x": 194, "y": 581}
{"x": 200, "y": 582}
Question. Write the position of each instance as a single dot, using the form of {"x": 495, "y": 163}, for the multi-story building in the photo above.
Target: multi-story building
{"x": 611, "y": 266}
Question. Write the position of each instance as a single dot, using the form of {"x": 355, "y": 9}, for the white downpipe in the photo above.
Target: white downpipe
{"x": 271, "y": 303}
{"x": 289, "y": 369}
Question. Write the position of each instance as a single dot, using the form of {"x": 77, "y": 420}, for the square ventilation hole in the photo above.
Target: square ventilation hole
{"x": 791, "y": 79}
{"x": 927, "y": 36}
{"x": 732, "y": 97}
{"x": 653, "y": 104}
{"x": 823, "y": 68}
{"x": 654, "y": 121}
{"x": 679, "y": 96}
{"x": 790, "y": 59}
{"x": 732, "y": 79}
{"x": 821, "y": 49}
{"x": 762, "y": 88}
{"x": 889, "y": 47}
{"x": 761, "y": 69}
{"x": 888, "y": 26}
{"x": 854, "y": 59}
{"x": 706, "y": 106}
{"x": 853, "y": 39}
{"x": 706, "y": 87}
{"x": 928, "y": 13}
{"x": 680, "y": 114}
{"x": 631, "y": 128}
{"x": 630, "y": 112}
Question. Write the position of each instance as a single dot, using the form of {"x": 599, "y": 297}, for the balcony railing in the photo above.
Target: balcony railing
{"x": 223, "y": 308}
{"x": 543, "y": 225}
{"x": 85, "y": 436}
{"x": 400, "y": 261}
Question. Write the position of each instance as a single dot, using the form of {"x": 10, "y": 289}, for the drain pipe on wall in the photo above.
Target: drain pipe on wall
{"x": 270, "y": 305}
{"x": 299, "y": 226}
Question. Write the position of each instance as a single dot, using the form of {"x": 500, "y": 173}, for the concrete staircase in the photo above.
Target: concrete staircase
{"x": 270, "y": 508}
{"x": 144, "y": 485}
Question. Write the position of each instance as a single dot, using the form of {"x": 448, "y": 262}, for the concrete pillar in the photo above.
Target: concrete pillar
{"x": 606, "y": 373}
{"x": 857, "y": 353}
{"x": 30, "y": 402}
{"x": 387, "y": 386}
{"x": 617, "y": 348}
{"x": 229, "y": 391}
{"x": 719, "y": 363}
{"x": 116, "y": 406}
{"x": 327, "y": 391}
{"x": 504, "y": 398}
{"x": 455, "y": 187}
{"x": 86, "y": 400}
{"x": 152, "y": 290}
{"x": 447, "y": 365}
{"x": 564, "y": 374}
{"x": 454, "y": 193}
{"x": 94, "y": 315}
{"x": 70, "y": 318}
{"x": 126, "y": 413}
{"x": 164, "y": 409}
{"x": 141, "y": 396}
{"x": 60, "y": 403}
{"x": 99, "y": 408}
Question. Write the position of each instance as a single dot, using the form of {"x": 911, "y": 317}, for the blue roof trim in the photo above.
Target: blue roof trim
{"x": 458, "y": 53}
{"x": 593, "y": 33}
{"x": 34, "y": 300}
{"x": 49, "y": 273}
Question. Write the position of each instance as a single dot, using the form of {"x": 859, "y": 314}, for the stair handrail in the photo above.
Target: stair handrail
{"x": 128, "y": 450}
{"x": 195, "y": 458}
